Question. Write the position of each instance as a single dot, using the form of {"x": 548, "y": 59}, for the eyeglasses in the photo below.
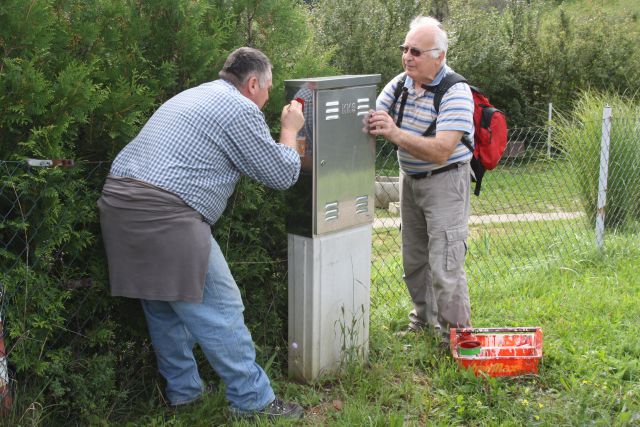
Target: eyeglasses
{"x": 415, "y": 51}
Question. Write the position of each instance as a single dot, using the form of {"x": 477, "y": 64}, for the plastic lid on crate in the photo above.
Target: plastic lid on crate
{"x": 469, "y": 348}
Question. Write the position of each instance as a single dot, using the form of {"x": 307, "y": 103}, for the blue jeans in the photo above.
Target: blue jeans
{"x": 217, "y": 325}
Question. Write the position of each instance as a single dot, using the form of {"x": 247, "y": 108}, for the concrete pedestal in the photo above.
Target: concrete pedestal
{"x": 329, "y": 284}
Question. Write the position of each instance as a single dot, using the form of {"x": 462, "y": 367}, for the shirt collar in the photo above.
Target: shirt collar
{"x": 444, "y": 70}
{"x": 227, "y": 83}
{"x": 438, "y": 78}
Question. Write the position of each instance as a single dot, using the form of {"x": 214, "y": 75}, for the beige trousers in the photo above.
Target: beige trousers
{"x": 435, "y": 214}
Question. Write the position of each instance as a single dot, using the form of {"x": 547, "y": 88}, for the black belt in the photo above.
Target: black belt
{"x": 435, "y": 171}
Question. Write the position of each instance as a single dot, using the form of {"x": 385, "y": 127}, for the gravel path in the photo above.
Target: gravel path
{"x": 483, "y": 219}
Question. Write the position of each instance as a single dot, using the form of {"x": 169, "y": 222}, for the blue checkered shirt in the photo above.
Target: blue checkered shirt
{"x": 199, "y": 143}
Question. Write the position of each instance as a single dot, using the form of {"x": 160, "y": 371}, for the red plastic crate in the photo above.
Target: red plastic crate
{"x": 505, "y": 351}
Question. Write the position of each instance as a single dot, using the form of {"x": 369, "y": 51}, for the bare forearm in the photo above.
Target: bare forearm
{"x": 288, "y": 137}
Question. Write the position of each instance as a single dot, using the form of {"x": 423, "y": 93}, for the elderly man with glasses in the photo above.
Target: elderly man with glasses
{"x": 165, "y": 190}
{"x": 435, "y": 178}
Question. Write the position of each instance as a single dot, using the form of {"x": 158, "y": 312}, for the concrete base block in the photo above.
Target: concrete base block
{"x": 394, "y": 208}
{"x": 329, "y": 301}
{"x": 387, "y": 190}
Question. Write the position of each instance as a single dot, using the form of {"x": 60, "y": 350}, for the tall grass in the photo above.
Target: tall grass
{"x": 579, "y": 136}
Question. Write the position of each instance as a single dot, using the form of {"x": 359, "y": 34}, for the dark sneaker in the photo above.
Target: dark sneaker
{"x": 419, "y": 328}
{"x": 276, "y": 409}
{"x": 444, "y": 346}
{"x": 412, "y": 329}
{"x": 443, "y": 343}
{"x": 408, "y": 331}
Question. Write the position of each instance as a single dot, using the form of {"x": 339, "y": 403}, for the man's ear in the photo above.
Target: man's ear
{"x": 253, "y": 85}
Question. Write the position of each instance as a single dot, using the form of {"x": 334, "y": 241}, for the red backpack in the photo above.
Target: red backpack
{"x": 491, "y": 130}
{"x": 490, "y": 137}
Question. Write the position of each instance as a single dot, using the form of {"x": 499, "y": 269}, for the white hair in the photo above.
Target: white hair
{"x": 442, "y": 41}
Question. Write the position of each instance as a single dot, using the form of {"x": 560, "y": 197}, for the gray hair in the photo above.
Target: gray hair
{"x": 442, "y": 41}
{"x": 243, "y": 63}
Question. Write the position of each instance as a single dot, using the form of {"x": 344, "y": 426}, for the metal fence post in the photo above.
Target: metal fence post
{"x": 604, "y": 172}
{"x": 549, "y": 130}
{"x": 5, "y": 385}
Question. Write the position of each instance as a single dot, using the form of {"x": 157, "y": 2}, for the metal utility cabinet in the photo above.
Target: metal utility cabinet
{"x": 329, "y": 225}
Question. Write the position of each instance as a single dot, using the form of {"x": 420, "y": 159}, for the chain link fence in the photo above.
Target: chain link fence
{"x": 538, "y": 205}
{"x": 61, "y": 342}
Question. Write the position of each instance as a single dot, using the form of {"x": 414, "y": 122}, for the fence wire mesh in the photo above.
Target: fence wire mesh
{"x": 52, "y": 276}
{"x": 539, "y": 205}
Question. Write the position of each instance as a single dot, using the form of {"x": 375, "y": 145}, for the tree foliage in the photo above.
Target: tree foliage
{"x": 364, "y": 36}
{"x": 522, "y": 54}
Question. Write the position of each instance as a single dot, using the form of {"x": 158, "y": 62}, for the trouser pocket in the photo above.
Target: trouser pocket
{"x": 456, "y": 247}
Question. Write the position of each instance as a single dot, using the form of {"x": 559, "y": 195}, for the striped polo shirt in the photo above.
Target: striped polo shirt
{"x": 456, "y": 113}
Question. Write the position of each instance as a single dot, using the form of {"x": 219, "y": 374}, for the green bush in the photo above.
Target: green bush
{"x": 77, "y": 81}
{"x": 363, "y": 37}
{"x": 55, "y": 306}
{"x": 579, "y": 136}
{"x": 528, "y": 54}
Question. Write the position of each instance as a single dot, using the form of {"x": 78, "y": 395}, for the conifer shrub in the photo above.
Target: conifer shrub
{"x": 77, "y": 81}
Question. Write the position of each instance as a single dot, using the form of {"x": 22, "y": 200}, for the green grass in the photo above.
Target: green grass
{"x": 586, "y": 303}
{"x": 530, "y": 185}
{"x": 535, "y": 186}
{"x": 503, "y": 249}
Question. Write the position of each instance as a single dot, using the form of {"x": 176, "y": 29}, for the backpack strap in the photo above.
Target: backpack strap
{"x": 396, "y": 94}
{"x": 439, "y": 90}
{"x": 487, "y": 114}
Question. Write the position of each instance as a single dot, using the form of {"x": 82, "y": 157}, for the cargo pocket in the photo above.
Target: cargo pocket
{"x": 456, "y": 247}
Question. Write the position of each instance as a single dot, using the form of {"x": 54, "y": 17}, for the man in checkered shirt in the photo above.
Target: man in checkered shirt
{"x": 165, "y": 189}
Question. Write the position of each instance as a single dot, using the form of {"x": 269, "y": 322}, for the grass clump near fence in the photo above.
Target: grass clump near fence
{"x": 580, "y": 136}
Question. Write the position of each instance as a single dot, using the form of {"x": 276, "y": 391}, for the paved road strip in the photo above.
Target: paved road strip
{"x": 483, "y": 219}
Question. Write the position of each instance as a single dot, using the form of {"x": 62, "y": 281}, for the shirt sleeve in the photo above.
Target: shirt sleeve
{"x": 250, "y": 147}
{"x": 456, "y": 110}
{"x": 385, "y": 99}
